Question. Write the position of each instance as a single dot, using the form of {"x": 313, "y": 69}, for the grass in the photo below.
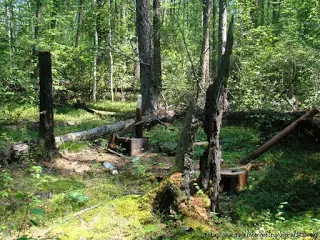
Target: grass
{"x": 17, "y": 123}
{"x": 282, "y": 197}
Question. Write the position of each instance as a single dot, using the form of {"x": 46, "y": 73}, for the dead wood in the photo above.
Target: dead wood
{"x": 273, "y": 141}
{"x": 122, "y": 127}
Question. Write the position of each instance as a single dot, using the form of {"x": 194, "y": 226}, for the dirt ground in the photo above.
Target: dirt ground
{"x": 92, "y": 160}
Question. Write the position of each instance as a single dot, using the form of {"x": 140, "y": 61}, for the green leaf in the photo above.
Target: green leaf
{"x": 34, "y": 222}
{"x": 24, "y": 238}
{"x": 37, "y": 211}
{"x": 20, "y": 196}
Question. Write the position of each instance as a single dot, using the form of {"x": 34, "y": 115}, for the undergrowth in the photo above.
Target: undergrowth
{"x": 282, "y": 196}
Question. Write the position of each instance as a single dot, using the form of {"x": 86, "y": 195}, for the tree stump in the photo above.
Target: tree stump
{"x": 233, "y": 180}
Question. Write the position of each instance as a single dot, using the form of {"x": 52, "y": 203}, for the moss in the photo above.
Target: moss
{"x": 61, "y": 185}
{"x": 76, "y": 146}
{"x": 122, "y": 218}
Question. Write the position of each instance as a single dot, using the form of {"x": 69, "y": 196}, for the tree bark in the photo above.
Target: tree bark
{"x": 8, "y": 30}
{"x": 110, "y": 52}
{"x": 214, "y": 48}
{"x": 122, "y": 127}
{"x": 157, "y": 50}
{"x": 222, "y": 32}
{"x": 46, "y": 128}
{"x": 210, "y": 161}
{"x": 185, "y": 144}
{"x": 96, "y": 44}
{"x": 79, "y": 24}
{"x": 148, "y": 86}
{"x": 205, "y": 52}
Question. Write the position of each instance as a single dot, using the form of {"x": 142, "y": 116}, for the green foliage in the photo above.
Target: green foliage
{"x": 5, "y": 180}
{"x": 163, "y": 134}
{"x": 282, "y": 73}
{"x": 77, "y": 198}
{"x": 76, "y": 146}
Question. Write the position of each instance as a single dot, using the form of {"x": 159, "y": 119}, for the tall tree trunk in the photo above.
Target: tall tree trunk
{"x": 222, "y": 36}
{"x": 79, "y": 24}
{"x": 96, "y": 45}
{"x": 222, "y": 32}
{"x": 276, "y": 4}
{"x": 8, "y": 30}
{"x": 209, "y": 178}
{"x": 34, "y": 75}
{"x": 54, "y": 14}
{"x": 46, "y": 128}
{"x": 12, "y": 22}
{"x": 262, "y": 12}
{"x": 148, "y": 86}
{"x": 38, "y": 15}
{"x": 156, "y": 49}
{"x": 110, "y": 52}
{"x": 214, "y": 41}
{"x": 205, "y": 52}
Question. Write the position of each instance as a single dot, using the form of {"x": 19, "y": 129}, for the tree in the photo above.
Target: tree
{"x": 222, "y": 31}
{"x": 79, "y": 23}
{"x": 205, "y": 52}
{"x": 148, "y": 85}
{"x": 209, "y": 178}
{"x": 110, "y": 53}
{"x": 46, "y": 127}
{"x": 95, "y": 56}
{"x": 156, "y": 49}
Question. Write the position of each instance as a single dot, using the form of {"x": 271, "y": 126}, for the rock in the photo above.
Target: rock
{"x": 19, "y": 151}
{"x": 169, "y": 148}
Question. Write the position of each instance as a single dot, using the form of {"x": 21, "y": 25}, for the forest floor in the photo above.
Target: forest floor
{"x": 76, "y": 197}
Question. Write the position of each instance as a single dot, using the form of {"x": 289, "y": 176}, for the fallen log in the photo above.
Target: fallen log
{"x": 273, "y": 141}
{"x": 122, "y": 127}
{"x": 94, "y": 132}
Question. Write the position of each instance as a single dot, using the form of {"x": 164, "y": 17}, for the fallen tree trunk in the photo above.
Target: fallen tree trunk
{"x": 122, "y": 126}
{"x": 273, "y": 141}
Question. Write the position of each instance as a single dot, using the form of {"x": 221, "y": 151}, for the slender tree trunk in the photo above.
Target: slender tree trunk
{"x": 209, "y": 178}
{"x": 38, "y": 15}
{"x": 222, "y": 32}
{"x": 110, "y": 52}
{"x": 214, "y": 41}
{"x": 276, "y": 11}
{"x": 185, "y": 144}
{"x": 148, "y": 86}
{"x": 54, "y": 14}
{"x": 262, "y": 12}
{"x": 96, "y": 45}
{"x": 8, "y": 30}
{"x": 34, "y": 75}
{"x": 80, "y": 19}
{"x": 12, "y": 22}
{"x": 46, "y": 127}
{"x": 205, "y": 52}
{"x": 157, "y": 49}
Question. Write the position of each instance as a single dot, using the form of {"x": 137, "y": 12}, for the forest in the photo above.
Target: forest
{"x": 162, "y": 119}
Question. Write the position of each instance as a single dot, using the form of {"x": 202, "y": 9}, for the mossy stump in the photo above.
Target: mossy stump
{"x": 171, "y": 198}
